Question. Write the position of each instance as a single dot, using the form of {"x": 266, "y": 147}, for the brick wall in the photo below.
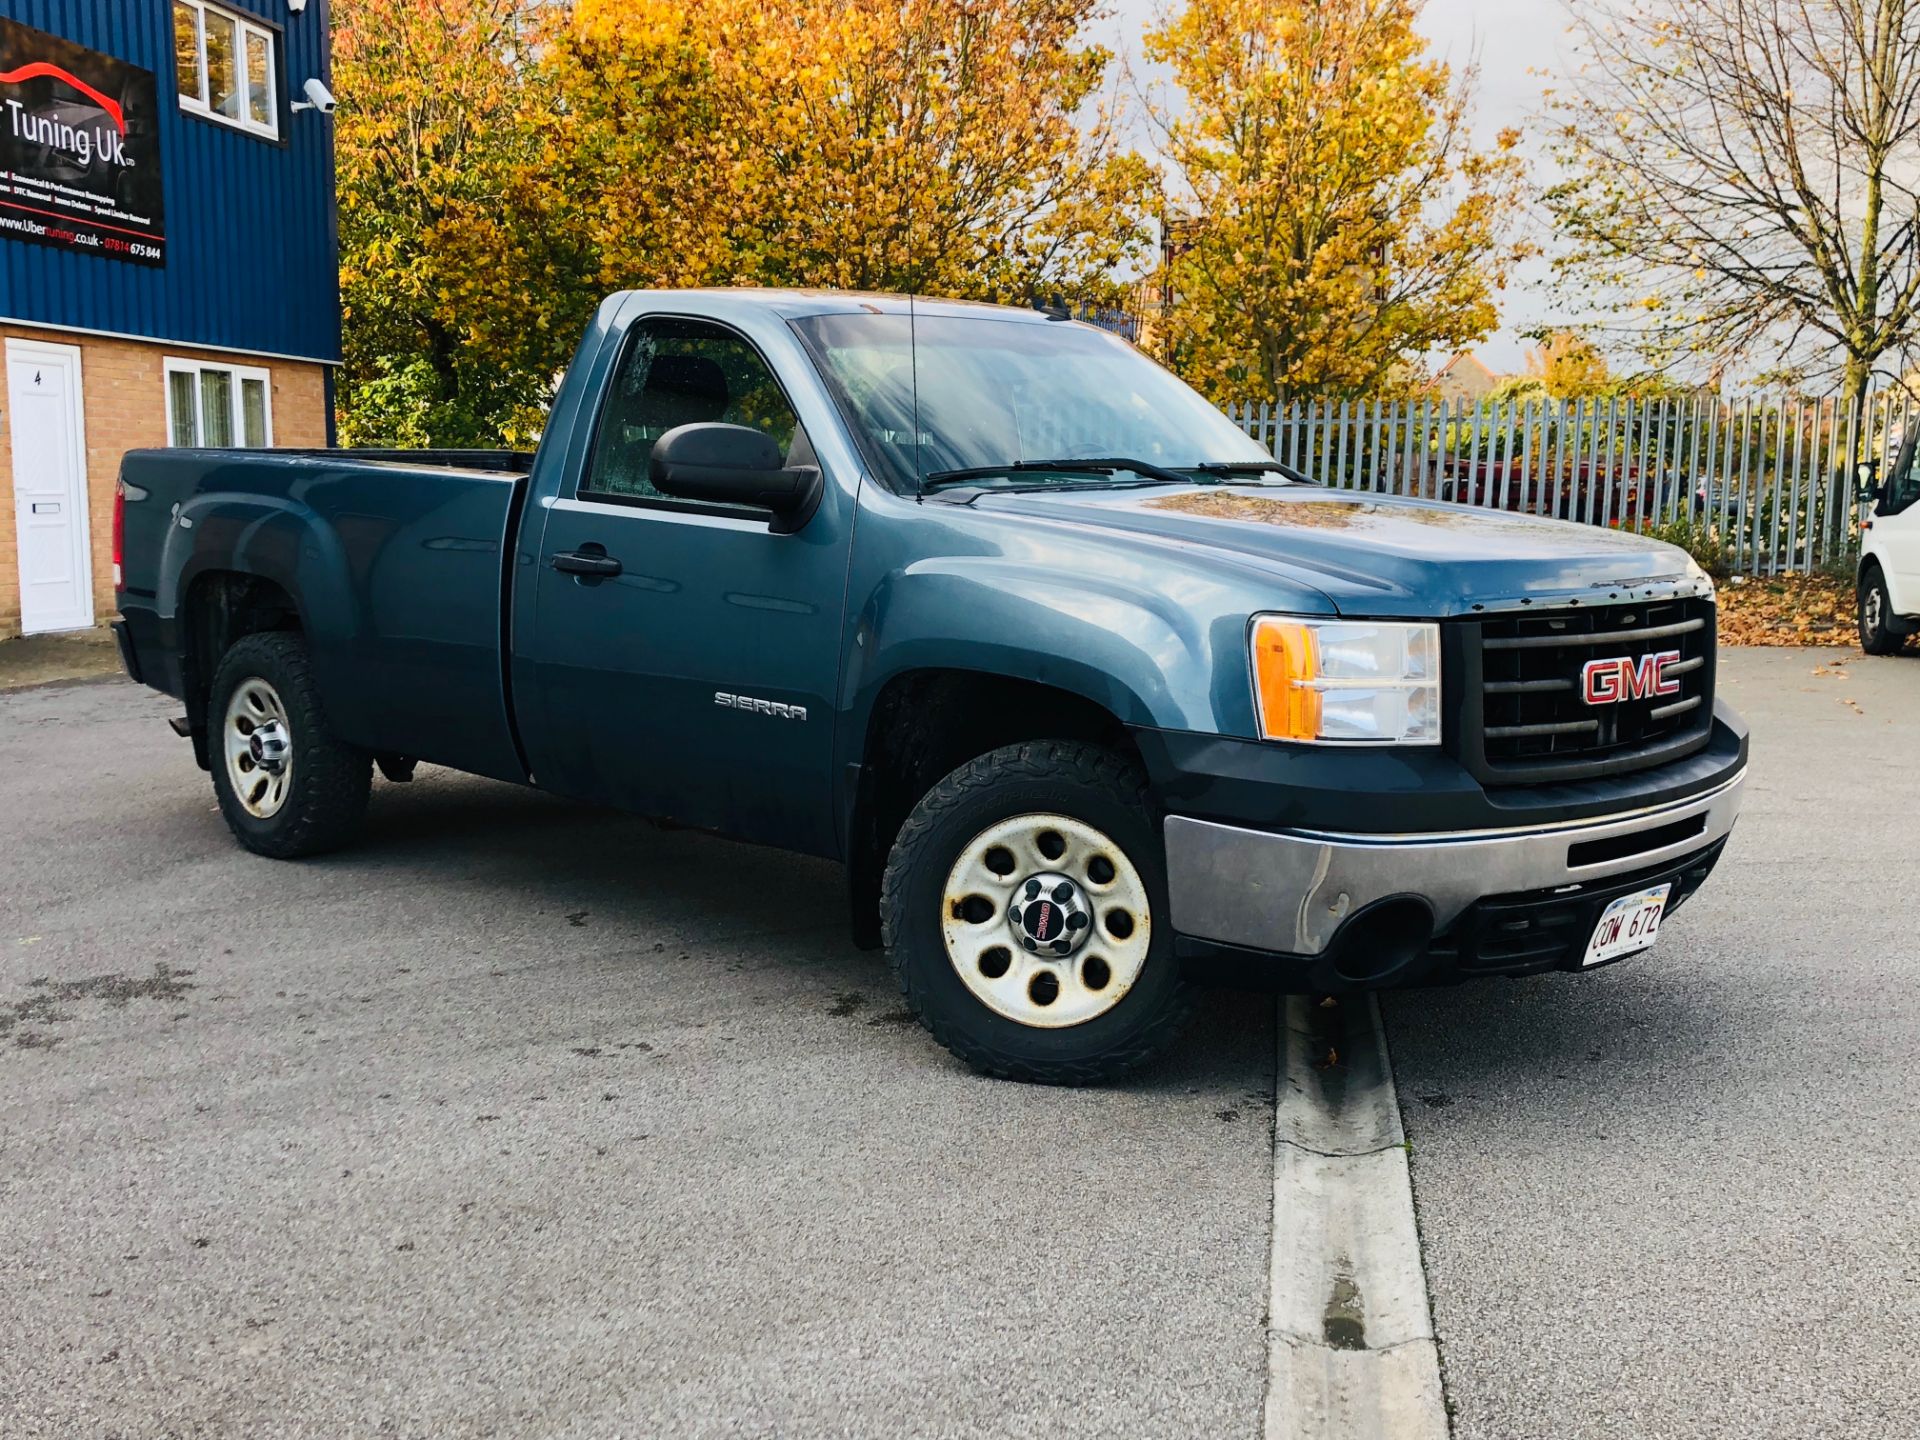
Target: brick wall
{"x": 125, "y": 401}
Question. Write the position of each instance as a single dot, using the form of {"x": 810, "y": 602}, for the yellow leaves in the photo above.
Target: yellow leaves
{"x": 1347, "y": 223}
{"x": 1567, "y": 365}
{"x": 511, "y": 160}
{"x": 906, "y": 142}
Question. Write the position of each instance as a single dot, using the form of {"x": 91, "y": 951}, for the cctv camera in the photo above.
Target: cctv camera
{"x": 318, "y": 98}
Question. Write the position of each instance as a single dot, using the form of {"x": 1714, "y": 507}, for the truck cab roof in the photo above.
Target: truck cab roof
{"x": 795, "y": 304}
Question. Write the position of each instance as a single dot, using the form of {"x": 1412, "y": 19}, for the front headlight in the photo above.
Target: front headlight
{"x": 1347, "y": 681}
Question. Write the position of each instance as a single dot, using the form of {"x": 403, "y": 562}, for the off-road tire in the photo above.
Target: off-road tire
{"x": 1877, "y": 636}
{"x": 329, "y": 780}
{"x": 1084, "y": 783}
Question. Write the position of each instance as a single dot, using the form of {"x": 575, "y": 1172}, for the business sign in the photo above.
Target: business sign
{"x": 79, "y": 149}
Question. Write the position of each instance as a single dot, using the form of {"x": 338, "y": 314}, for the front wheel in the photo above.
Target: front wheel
{"x": 1877, "y": 633}
{"x": 1023, "y": 911}
{"x": 286, "y": 785}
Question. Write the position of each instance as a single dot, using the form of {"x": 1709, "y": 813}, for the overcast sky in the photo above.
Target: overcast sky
{"x": 1509, "y": 39}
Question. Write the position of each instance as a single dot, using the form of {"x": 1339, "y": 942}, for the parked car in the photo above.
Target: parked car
{"x": 1569, "y": 490}
{"x": 1888, "y": 583}
{"x": 1584, "y": 491}
{"x": 1082, "y": 687}
{"x": 1704, "y": 501}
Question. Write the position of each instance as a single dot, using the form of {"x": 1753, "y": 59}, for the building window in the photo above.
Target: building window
{"x": 224, "y": 63}
{"x": 217, "y": 406}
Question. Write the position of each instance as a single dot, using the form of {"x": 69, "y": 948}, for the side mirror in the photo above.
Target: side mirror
{"x": 734, "y": 465}
{"x": 1866, "y": 477}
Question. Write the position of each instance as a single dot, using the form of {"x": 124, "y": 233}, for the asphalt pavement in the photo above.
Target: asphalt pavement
{"x": 1680, "y": 1196}
{"x": 525, "y": 1119}
{"x": 521, "y": 1119}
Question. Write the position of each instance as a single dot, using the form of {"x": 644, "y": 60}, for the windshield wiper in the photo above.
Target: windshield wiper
{"x": 1101, "y": 465}
{"x": 1253, "y": 467}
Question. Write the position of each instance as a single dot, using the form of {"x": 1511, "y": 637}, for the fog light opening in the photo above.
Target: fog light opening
{"x": 1383, "y": 939}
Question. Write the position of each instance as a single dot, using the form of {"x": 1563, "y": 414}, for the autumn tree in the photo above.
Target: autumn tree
{"x": 1741, "y": 178}
{"x": 505, "y": 163}
{"x": 1568, "y": 365}
{"x": 460, "y": 294}
{"x": 907, "y": 145}
{"x": 635, "y": 157}
{"x": 1341, "y": 218}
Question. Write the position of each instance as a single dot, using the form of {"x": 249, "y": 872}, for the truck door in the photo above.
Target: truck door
{"x": 684, "y": 659}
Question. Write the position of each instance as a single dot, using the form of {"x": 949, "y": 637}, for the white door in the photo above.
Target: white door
{"x": 49, "y": 486}
{"x": 1896, "y": 529}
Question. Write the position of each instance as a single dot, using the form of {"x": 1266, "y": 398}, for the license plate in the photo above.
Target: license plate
{"x": 1630, "y": 923}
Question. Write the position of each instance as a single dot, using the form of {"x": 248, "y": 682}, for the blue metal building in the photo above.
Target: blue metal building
{"x": 168, "y": 260}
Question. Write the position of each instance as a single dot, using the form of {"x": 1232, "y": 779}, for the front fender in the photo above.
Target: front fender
{"x": 1154, "y": 633}
{"x": 1135, "y": 654}
{"x": 1901, "y": 592}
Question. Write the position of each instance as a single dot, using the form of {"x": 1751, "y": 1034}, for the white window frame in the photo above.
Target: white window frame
{"x": 173, "y": 365}
{"x": 244, "y": 26}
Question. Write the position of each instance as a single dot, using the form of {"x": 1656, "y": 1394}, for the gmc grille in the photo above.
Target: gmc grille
{"x": 1527, "y": 718}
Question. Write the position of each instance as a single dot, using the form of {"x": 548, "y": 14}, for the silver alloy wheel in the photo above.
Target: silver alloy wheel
{"x": 1872, "y": 615}
{"x": 259, "y": 748}
{"x": 1012, "y": 901}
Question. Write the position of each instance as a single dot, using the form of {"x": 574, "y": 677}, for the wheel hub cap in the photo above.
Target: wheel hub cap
{"x": 1049, "y": 915}
{"x": 269, "y": 748}
{"x": 259, "y": 748}
{"x": 1047, "y": 920}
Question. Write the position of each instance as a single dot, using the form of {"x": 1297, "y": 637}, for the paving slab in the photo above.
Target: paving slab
{"x": 64, "y": 656}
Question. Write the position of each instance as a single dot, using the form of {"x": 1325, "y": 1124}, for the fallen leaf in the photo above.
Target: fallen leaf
{"x": 1788, "y": 610}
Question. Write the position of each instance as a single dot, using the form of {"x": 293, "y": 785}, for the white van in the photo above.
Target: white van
{"x": 1889, "y": 583}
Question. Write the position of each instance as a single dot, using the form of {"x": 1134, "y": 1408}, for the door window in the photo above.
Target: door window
{"x": 1904, "y": 488}
{"x": 681, "y": 372}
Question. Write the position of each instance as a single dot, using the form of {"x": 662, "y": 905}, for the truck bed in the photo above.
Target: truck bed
{"x": 394, "y": 560}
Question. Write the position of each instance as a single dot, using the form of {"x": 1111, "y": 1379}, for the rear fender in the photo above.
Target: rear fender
{"x": 273, "y": 539}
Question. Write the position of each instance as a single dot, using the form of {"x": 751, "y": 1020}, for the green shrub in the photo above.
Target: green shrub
{"x": 1702, "y": 541}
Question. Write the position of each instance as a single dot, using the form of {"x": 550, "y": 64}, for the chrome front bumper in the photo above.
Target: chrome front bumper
{"x": 1289, "y": 891}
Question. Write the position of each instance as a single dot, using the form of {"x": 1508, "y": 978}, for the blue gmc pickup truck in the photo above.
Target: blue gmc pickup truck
{"x": 1086, "y": 691}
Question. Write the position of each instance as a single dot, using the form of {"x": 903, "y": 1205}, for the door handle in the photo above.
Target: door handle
{"x": 586, "y": 562}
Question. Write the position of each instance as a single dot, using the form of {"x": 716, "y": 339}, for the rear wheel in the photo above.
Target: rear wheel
{"x": 1019, "y": 911}
{"x": 1877, "y": 633}
{"x": 287, "y": 787}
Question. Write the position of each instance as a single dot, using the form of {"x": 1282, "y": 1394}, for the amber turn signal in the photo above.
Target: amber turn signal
{"x": 1284, "y": 668}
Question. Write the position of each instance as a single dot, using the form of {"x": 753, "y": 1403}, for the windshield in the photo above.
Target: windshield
{"x": 1002, "y": 392}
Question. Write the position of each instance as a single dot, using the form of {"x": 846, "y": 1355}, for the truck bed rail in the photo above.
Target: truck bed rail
{"x": 510, "y": 462}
